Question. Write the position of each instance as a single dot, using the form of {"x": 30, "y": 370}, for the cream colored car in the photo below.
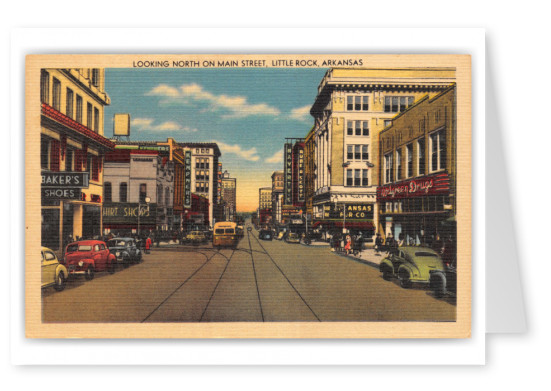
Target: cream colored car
{"x": 53, "y": 273}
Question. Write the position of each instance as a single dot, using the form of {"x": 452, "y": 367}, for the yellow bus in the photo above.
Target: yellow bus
{"x": 225, "y": 235}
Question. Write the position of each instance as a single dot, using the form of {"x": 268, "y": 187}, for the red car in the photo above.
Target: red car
{"x": 87, "y": 257}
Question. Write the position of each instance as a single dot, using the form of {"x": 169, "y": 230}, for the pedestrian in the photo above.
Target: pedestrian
{"x": 438, "y": 245}
{"x": 378, "y": 244}
{"x": 401, "y": 240}
{"x": 147, "y": 245}
{"x": 348, "y": 244}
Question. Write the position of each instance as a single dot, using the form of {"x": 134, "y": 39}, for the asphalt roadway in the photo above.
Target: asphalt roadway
{"x": 259, "y": 281}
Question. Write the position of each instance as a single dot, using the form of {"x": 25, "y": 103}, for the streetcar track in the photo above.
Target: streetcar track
{"x": 214, "y": 290}
{"x": 255, "y": 279}
{"x": 283, "y": 274}
{"x": 187, "y": 279}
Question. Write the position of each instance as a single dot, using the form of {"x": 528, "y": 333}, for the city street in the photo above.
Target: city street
{"x": 259, "y": 281}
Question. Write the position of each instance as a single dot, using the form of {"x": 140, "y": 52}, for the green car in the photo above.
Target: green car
{"x": 411, "y": 264}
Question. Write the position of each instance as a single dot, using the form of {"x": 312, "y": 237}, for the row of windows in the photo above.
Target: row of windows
{"x": 417, "y": 205}
{"x": 202, "y": 163}
{"x": 202, "y": 175}
{"x": 357, "y": 177}
{"x": 202, "y": 187}
{"x": 123, "y": 192}
{"x": 202, "y": 150}
{"x": 75, "y": 160}
{"x": 357, "y": 152}
{"x": 393, "y": 104}
{"x": 357, "y": 128}
{"x": 73, "y": 102}
{"x": 405, "y": 169}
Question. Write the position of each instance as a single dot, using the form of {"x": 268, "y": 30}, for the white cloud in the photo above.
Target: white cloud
{"x": 236, "y": 106}
{"x": 276, "y": 157}
{"x": 301, "y": 113}
{"x": 248, "y": 154}
{"x": 148, "y": 124}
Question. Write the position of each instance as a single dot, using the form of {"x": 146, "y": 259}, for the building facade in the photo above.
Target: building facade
{"x": 351, "y": 108}
{"x": 265, "y": 205}
{"x": 417, "y": 195}
{"x": 229, "y": 196}
{"x": 277, "y": 195}
{"x": 72, "y": 150}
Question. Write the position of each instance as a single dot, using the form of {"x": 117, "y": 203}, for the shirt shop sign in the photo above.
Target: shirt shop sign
{"x": 418, "y": 187}
{"x": 120, "y": 212}
{"x": 65, "y": 179}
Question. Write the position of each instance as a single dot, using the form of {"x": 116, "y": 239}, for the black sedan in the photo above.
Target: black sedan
{"x": 265, "y": 234}
{"x": 125, "y": 250}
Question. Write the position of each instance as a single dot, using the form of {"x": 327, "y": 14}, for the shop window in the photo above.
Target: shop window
{"x": 123, "y": 192}
{"x": 56, "y": 94}
{"x": 44, "y": 87}
{"x": 107, "y": 192}
{"x": 69, "y": 103}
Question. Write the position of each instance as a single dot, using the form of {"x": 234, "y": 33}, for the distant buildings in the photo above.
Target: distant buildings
{"x": 277, "y": 195}
{"x": 229, "y": 195}
{"x": 265, "y": 205}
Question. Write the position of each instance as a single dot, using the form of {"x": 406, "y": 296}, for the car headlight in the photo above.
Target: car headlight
{"x": 118, "y": 253}
{"x": 81, "y": 263}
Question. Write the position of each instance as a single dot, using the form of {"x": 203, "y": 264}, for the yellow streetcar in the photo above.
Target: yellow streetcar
{"x": 225, "y": 235}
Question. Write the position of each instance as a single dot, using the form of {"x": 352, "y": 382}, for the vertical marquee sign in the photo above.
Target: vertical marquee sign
{"x": 301, "y": 174}
{"x": 187, "y": 180}
{"x": 288, "y": 175}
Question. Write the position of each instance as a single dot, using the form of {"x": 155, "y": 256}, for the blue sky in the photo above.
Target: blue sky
{"x": 248, "y": 112}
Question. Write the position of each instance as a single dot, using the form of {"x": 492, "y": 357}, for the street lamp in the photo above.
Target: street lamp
{"x": 147, "y": 201}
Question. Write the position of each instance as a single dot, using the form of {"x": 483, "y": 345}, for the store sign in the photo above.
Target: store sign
{"x": 65, "y": 179}
{"x": 418, "y": 187}
{"x": 354, "y": 211}
{"x": 288, "y": 175}
{"x": 290, "y": 210}
{"x": 301, "y": 175}
{"x": 127, "y": 213}
{"x": 60, "y": 194}
{"x": 187, "y": 180}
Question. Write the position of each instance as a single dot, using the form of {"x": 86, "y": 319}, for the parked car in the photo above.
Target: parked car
{"x": 443, "y": 281}
{"x": 87, "y": 257}
{"x": 53, "y": 272}
{"x": 265, "y": 235}
{"x": 196, "y": 237}
{"x": 411, "y": 264}
{"x": 292, "y": 237}
{"x": 125, "y": 250}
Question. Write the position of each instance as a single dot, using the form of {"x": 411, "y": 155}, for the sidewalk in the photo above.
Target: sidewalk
{"x": 367, "y": 256}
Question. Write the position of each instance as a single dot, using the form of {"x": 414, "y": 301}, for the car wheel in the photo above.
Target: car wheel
{"x": 125, "y": 262}
{"x": 405, "y": 281}
{"x": 89, "y": 275}
{"x": 111, "y": 267}
{"x": 387, "y": 273}
{"x": 59, "y": 282}
{"x": 438, "y": 286}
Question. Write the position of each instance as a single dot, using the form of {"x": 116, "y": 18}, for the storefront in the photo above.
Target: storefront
{"x": 420, "y": 209}
{"x": 122, "y": 219}
{"x": 350, "y": 217}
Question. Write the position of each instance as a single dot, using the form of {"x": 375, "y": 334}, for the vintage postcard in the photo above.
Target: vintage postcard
{"x": 248, "y": 196}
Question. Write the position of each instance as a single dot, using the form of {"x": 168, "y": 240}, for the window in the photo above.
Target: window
{"x": 357, "y": 178}
{"x": 44, "y": 153}
{"x": 167, "y": 197}
{"x": 388, "y": 122}
{"x": 95, "y": 168}
{"x": 357, "y": 103}
{"x": 54, "y": 155}
{"x": 96, "y": 120}
{"x": 409, "y": 157}
{"x": 388, "y": 168}
{"x": 365, "y": 178}
{"x": 358, "y": 128}
{"x": 123, "y": 192}
{"x": 357, "y": 152}
{"x": 69, "y": 103}
{"x": 349, "y": 179}
{"x": 143, "y": 192}
{"x": 438, "y": 150}
{"x": 44, "y": 87}
{"x": 89, "y": 115}
{"x": 349, "y": 152}
{"x": 365, "y": 153}
{"x": 56, "y": 94}
{"x": 69, "y": 156}
{"x": 399, "y": 164}
{"x": 350, "y": 128}
{"x": 107, "y": 192}
{"x": 421, "y": 156}
{"x": 159, "y": 193}
{"x": 394, "y": 104}
{"x": 95, "y": 77}
{"x": 365, "y": 129}
{"x": 79, "y": 109}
